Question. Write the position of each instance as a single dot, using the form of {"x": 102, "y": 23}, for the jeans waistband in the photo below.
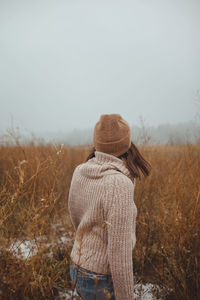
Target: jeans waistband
{"x": 86, "y": 272}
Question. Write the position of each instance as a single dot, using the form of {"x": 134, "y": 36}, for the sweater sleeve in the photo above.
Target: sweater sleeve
{"x": 71, "y": 197}
{"x": 121, "y": 215}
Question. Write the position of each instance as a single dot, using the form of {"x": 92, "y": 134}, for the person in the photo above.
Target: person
{"x": 103, "y": 213}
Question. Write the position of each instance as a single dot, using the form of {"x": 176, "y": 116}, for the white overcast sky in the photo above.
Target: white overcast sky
{"x": 63, "y": 63}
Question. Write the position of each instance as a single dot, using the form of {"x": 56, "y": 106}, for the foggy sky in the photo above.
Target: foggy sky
{"x": 63, "y": 63}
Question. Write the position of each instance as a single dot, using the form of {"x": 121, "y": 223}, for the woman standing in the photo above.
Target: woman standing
{"x": 103, "y": 213}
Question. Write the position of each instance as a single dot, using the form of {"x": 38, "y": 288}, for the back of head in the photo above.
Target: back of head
{"x": 112, "y": 135}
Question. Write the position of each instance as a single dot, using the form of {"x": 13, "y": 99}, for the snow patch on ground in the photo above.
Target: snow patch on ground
{"x": 26, "y": 248}
{"x": 142, "y": 292}
{"x": 145, "y": 291}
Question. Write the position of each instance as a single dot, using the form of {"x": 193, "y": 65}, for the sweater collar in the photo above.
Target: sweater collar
{"x": 105, "y": 158}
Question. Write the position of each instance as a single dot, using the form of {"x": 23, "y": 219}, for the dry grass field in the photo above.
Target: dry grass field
{"x": 36, "y": 234}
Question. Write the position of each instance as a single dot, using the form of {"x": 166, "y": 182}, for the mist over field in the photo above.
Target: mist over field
{"x": 64, "y": 63}
{"x": 163, "y": 134}
{"x": 173, "y": 134}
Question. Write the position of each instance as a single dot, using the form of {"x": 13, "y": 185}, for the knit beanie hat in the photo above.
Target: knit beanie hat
{"x": 112, "y": 135}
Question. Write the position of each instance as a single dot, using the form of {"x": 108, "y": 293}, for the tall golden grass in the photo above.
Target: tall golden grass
{"x": 34, "y": 185}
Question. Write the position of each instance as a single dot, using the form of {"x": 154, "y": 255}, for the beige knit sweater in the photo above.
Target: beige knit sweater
{"x": 103, "y": 213}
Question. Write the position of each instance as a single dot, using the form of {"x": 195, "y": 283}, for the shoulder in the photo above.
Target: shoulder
{"x": 118, "y": 194}
{"x": 76, "y": 170}
{"x": 78, "y": 167}
{"x": 118, "y": 181}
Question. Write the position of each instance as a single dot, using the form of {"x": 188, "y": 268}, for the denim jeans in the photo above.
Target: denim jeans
{"x": 90, "y": 285}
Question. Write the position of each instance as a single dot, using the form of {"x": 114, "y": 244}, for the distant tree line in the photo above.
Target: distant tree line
{"x": 173, "y": 134}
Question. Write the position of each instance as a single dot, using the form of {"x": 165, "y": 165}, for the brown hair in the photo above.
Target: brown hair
{"x": 135, "y": 162}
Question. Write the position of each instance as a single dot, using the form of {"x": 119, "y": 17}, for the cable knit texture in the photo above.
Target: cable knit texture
{"x": 103, "y": 213}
